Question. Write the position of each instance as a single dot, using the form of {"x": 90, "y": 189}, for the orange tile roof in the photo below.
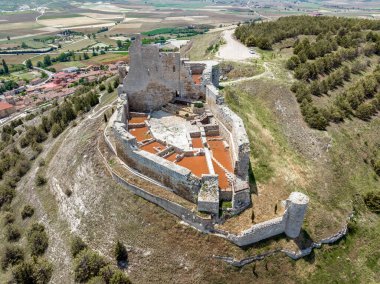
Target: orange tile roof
{"x": 5, "y": 105}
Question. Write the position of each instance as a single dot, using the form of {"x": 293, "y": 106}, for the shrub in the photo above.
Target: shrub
{"x": 87, "y": 264}
{"x": 6, "y": 194}
{"x": 198, "y": 104}
{"x": 56, "y": 130}
{"x": 365, "y": 111}
{"x": 77, "y": 245}
{"x": 107, "y": 272}
{"x": 12, "y": 233}
{"x": 27, "y": 212}
{"x": 9, "y": 218}
{"x": 372, "y": 201}
{"x": 12, "y": 255}
{"x": 121, "y": 253}
{"x": 376, "y": 167}
{"x": 41, "y": 163}
{"x": 119, "y": 278}
{"x": 39, "y": 271}
{"x": 37, "y": 239}
{"x": 40, "y": 180}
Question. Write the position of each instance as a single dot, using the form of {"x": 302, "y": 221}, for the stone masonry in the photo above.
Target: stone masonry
{"x": 156, "y": 79}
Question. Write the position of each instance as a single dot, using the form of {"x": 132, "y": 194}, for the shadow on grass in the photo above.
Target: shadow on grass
{"x": 252, "y": 180}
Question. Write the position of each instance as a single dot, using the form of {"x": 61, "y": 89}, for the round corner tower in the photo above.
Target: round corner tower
{"x": 296, "y": 206}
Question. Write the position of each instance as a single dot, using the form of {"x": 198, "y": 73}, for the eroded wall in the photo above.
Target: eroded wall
{"x": 232, "y": 129}
{"x": 179, "y": 178}
{"x": 155, "y": 78}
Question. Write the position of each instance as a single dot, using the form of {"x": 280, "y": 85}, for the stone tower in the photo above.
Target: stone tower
{"x": 296, "y": 206}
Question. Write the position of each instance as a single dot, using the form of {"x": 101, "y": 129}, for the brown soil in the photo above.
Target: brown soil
{"x": 197, "y": 142}
{"x": 151, "y": 147}
{"x": 196, "y": 164}
{"x": 141, "y": 134}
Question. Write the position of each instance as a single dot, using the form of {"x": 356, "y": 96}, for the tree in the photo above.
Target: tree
{"x": 119, "y": 43}
{"x": 36, "y": 271}
{"x": 5, "y": 67}
{"x": 56, "y": 129}
{"x": 85, "y": 56}
{"x": 8, "y": 38}
{"x": 87, "y": 264}
{"x": 47, "y": 61}
{"x": 29, "y": 64}
{"x": 109, "y": 89}
{"x": 116, "y": 83}
{"x": 37, "y": 239}
{"x": 44, "y": 75}
{"x": 6, "y": 194}
{"x": 121, "y": 254}
{"x": 77, "y": 245}
{"x": 365, "y": 111}
{"x": 24, "y": 45}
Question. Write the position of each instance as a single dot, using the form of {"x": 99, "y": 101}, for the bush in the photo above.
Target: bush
{"x": 27, "y": 212}
{"x": 40, "y": 180}
{"x": 6, "y": 194}
{"x": 77, "y": 245}
{"x": 365, "y": 111}
{"x": 107, "y": 272}
{"x": 87, "y": 264}
{"x": 9, "y": 218}
{"x": 376, "y": 167}
{"x": 121, "y": 253}
{"x": 372, "y": 201}
{"x": 198, "y": 104}
{"x": 119, "y": 278}
{"x": 12, "y": 255}
{"x": 39, "y": 271}
{"x": 56, "y": 129}
{"x": 37, "y": 239}
{"x": 41, "y": 163}
{"x": 12, "y": 233}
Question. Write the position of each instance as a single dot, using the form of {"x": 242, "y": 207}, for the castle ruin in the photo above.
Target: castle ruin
{"x": 173, "y": 126}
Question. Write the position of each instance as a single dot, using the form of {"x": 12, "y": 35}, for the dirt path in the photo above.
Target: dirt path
{"x": 266, "y": 74}
{"x": 234, "y": 50}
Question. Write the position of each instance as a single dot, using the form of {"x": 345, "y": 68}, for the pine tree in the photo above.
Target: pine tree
{"x": 121, "y": 253}
{"x": 29, "y": 64}
{"x": 5, "y": 67}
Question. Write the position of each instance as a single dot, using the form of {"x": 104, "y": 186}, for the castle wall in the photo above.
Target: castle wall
{"x": 179, "y": 178}
{"x": 172, "y": 207}
{"x": 289, "y": 223}
{"x": 232, "y": 129}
